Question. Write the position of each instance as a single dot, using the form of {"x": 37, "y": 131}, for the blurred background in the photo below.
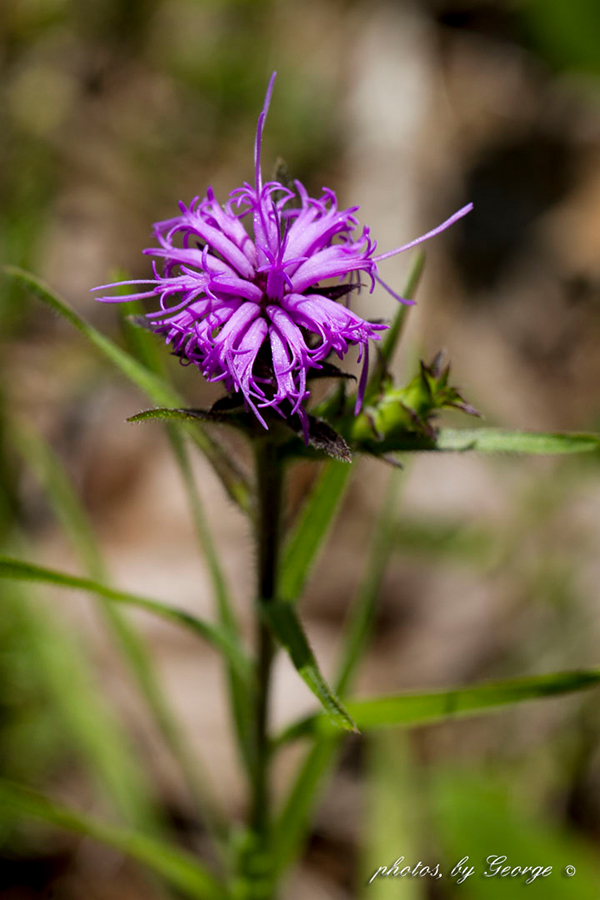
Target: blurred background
{"x": 111, "y": 113}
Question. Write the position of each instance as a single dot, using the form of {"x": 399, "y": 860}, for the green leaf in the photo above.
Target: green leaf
{"x": 239, "y": 686}
{"x": 319, "y": 510}
{"x": 311, "y": 530}
{"x": 71, "y": 514}
{"x": 179, "y": 869}
{"x": 136, "y": 373}
{"x": 152, "y": 385}
{"x": 490, "y": 812}
{"x": 385, "y": 350}
{"x": 474, "y": 544}
{"x": 181, "y": 415}
{"x": 393, "y": 819}
{"x": 358, "y": 629}
{"x": 65, "y": 502}
{"x": 293, "y": 821}
{"x": 393, "y": 334}
{"x": 479, "y": 440}
{"x": 144, "y": 345}
{"x": 284, "y": 623}
{"x": 325, "y": 439}
{"x": 87, "y": 728}
{"x": 496, "y": 440}
{"x": 219, "y": 638}
{"x": 412, "y": 709}
{"x": 296, "y": 814}
{"x": 51, "y": 474}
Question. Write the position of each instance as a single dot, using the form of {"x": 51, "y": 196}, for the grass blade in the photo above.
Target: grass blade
{"x": 50, "y": 473}
{"x": 410, "y": 709}
{"x": 392, "y": 335}
{"x": 66, "y": 504}
{"x": 392, "y": 820}
{"x": 319, "y": 511}
{"x": 490, "y": 440}
{"x": 509, "y": 822}
{"x": 91, "y": 733}
{"x": 286, "y": 627}
{"x": 296, "y": 814}
{"x": 474, "y": 544}
{"x": 496, "y": 440}
{"x": 363, "y": 609}
{"x": 177, "y": 415}
{"x": 180, "y": 870}
{"x": 238, "y": 685}
{"x": 213, "y": 634}
{"x": 147, "y": 381}
{"x": 144, "y": 345}
{"x": 311, "y": 530}
{"x": 294, "y": 820}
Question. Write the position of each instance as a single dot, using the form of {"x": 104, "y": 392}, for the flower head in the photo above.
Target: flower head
{"x": 241, "y": 292}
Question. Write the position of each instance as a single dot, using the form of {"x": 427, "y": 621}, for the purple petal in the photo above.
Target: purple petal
{"x": 425, "y": 237}
{"x": 393, "y": 293}
{"x": 259, "y": 132}
{"x": 363, "y": 380}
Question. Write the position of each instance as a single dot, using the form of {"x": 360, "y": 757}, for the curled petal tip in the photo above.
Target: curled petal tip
{"x": 224, "y": 292}
{"x": 259, "y": 131}
{"x": 429, "y": 234}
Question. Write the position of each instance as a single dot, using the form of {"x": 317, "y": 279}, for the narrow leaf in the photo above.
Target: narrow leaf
{"x": 413, "y": 709}
{"x": 360, "y": 619}
{"x": 51, "y": 474}
{"x": 138, "y": 374}
{"x": 489, "y": 440}
{"x": 386, "y": 348}
{"x": 151, "y": 384}
{"x": 512, "y": 823}
{"x": 392, "y": 820}
{"x": 144, "y": 346}
{"x": 84, "y": 725}
{"x": 324, "y": 438}
{"x": 455, "y": 540}
{"x": 392, "y": 336}
{"x": 220, "y": 639}
{"x": 181, "y": 870}
{"x": 71, "y": 514}
{"x": 182, "y": 415}
{"x": 293, "y": 822}
{"x": 329, "y": 370}
{"x": 239, "y": 686}
{"x": 295, "y": 817}
{"x": 496, "y": 440}
{"x": 286, "y": 627}
{"x": 309, "y": 535}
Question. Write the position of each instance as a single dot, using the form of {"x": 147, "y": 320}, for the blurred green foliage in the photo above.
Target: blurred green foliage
{"x": 479, "y": 817}
{"x": 564, "y": 33}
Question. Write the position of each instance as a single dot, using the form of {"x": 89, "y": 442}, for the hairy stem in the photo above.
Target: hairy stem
{"x": 269, "y": 496}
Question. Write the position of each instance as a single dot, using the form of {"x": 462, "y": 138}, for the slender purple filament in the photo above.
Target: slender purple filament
{"x": 251, "y": 308}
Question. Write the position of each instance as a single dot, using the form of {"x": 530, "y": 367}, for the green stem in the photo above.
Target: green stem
{"x": 269, "y": 496}
{"x": 255, "y": 865}
{"x": 260, "y": 799}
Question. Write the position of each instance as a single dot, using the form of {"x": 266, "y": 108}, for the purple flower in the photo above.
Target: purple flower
{"x": 247, "y": 306}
